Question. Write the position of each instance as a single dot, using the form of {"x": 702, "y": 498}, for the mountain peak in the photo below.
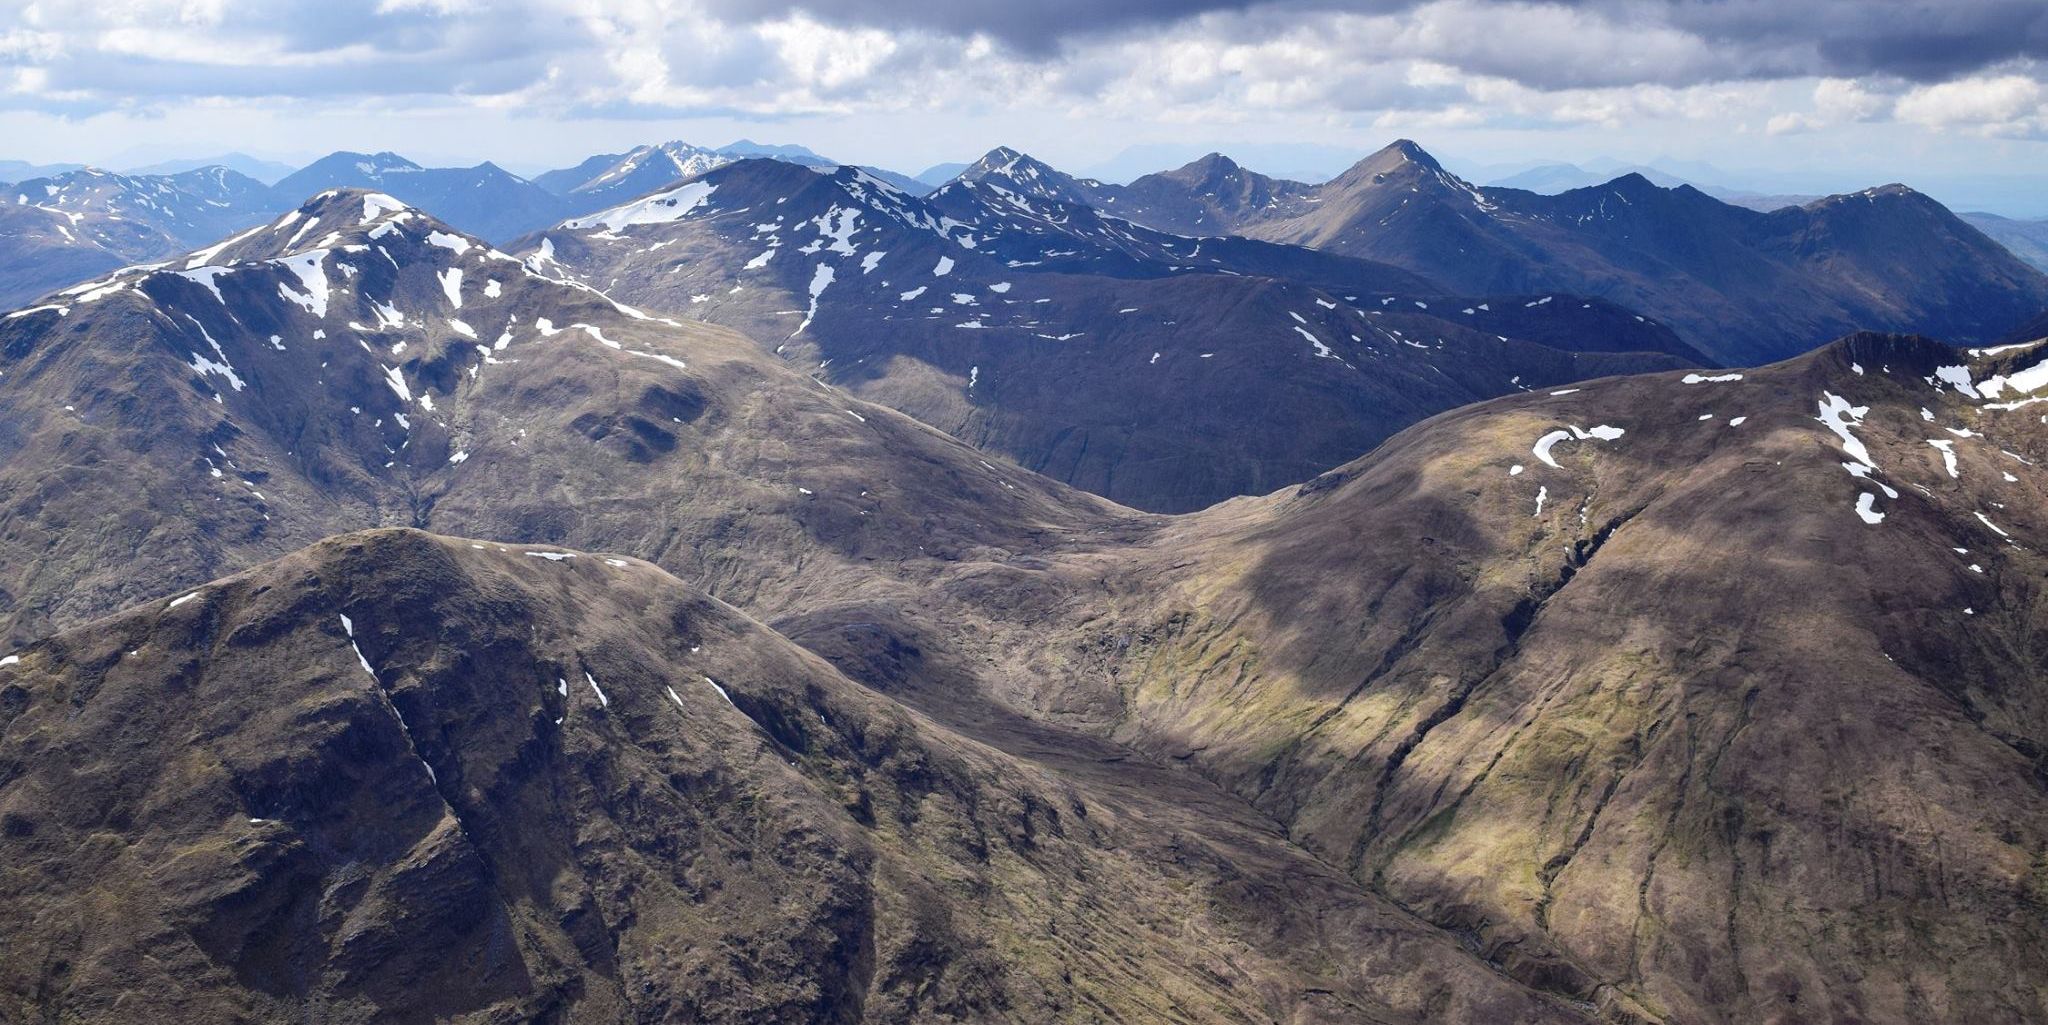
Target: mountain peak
{"x": 1895, "y": 190}
{"x": 1634, "y": 182}
{"x": 379, "y": 162}
{"x": 335, "y": 199}
{"x": 1027, "y": 175}
{"x": 675, "y": 148}
{"x": 1406, "y": 149}
{"x": 1212, "y": 164}
{"x": 352, "y": 215}
{"x": 997, "y": 161}
{"x": 1892, "y": 194}
{"x": 1402, "y": 156}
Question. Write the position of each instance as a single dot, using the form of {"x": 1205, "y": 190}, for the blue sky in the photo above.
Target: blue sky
{"x": 1822, "y": 94}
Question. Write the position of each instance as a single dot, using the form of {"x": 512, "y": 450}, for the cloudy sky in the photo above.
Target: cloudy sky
{"x": 1835, "y": 93}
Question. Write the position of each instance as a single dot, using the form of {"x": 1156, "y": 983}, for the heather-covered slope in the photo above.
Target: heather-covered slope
{"x": 1715, "y": 698}
{"x": 398, "y": 777}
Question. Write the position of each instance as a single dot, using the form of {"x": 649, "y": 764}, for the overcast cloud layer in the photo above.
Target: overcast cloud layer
{"x": 903, "y": 81}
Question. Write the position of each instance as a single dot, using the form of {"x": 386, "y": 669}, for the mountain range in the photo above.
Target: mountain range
{"x": 400, "y": 628}
{"x": 68, "y": 223}
{"x": 1719, "y": 284}
{"x": 1161, "y": 371}
{"x": 1741, "y": 285}
{"x": 486, "y": 200}
{"x": 1555, "y": 178}
{"x": 268, "y": 172}
{"x": 59, "y": 230}
{"x": 1124, "y": 364}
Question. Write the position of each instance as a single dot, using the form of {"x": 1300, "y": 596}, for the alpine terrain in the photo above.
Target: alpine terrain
{"x": 1742, "y": 285}
{"x": 1162, "y": 371}
{"x": 732, "y": 586}
{"x": 751, "y": 700}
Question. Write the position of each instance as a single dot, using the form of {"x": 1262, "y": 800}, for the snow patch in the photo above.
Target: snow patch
{"x": 821, "y": 278}
{"x": 660, "y": 208}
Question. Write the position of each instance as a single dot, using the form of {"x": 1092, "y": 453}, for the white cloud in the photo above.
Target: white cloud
{"x": 821, "y": 56}
{"x": 1267, "y": 67}
{"x": 1847, "y": 99}
{"x": 1972, "y": 101}
{"x": 1790, "y": 123}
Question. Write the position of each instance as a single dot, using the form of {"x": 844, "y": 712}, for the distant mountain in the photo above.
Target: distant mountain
{"x": 939, "y": 174}
{"x": 80, "y": 224}
{"x": 483, "y": 200}
{"x": 609, "y": 179}
{"x": 18, "y": 170}
{"x": 266, "y": 171}
{"x": 1741, "y": 285}
{"x": 2026, "y": 239}
{"x": 1760, "y": 201}
{"x": 44, "y": 250}
{"x": 630, "y": 175}
{"x": 560, "y": 180}
{"x": 192, "y": 207}
{"x": 789, "y": 152}
{"x": 1551, "y": 179}
{"x": 1162, "y": 371}
{"x": 1210, "y": 196}
{"x": 1302, "y": 162}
